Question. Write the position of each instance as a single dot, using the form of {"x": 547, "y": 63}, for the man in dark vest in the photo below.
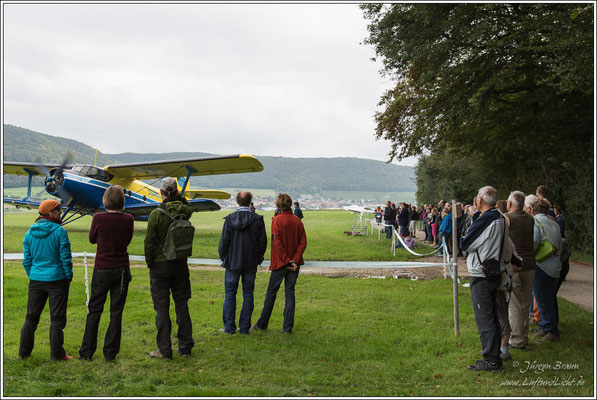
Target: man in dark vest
{"x": 521, "y": 233}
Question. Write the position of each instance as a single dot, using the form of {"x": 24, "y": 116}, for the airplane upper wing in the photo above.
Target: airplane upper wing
{"x": 196, "y": 204}
{"x": 178, "y": 168}
{"x": 25, "y": 168}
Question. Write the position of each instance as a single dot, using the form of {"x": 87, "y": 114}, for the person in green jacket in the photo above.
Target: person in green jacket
{"x": 48, "y": 263}
{"x": 168, "y": 275}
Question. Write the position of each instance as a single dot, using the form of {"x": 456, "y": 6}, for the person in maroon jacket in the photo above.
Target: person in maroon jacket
{"x": 288, "y": 245}
{"x": 112, "y": 231}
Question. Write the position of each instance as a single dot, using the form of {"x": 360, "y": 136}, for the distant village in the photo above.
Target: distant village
{"x": 306, "y": 202}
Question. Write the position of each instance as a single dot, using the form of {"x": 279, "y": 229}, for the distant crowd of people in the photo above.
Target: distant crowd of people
{"x": 168, "y": 244}
{"x": 516, "y": 256}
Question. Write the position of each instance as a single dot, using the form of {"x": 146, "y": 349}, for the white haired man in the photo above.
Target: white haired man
{"x": 521, "y": 228}
{"x": 485, "y": 243}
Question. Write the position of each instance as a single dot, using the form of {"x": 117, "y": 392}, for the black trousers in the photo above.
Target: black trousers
{"x": 483, "y": 295}
{"x": 39, "y": 293}
{"x": 116, "y": 282}
{"x": 166, "y": 277}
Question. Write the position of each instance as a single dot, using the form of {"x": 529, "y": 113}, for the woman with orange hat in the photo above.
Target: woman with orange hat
{"x": 48, "y": 263}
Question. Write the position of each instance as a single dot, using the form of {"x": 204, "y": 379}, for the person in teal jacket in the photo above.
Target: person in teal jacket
{"x": 48, "y": 263}
{"x": 445, "y": 230}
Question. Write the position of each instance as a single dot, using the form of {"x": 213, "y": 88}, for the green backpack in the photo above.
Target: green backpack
{"x": 179, "y": 238}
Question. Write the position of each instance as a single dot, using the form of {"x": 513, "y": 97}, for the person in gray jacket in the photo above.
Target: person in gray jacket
{"x": 242, "y": 246}
{"x": 485, "y": 243}
{"x": 547, "y": 275}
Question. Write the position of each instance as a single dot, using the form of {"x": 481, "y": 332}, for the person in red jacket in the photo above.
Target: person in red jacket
{"x": 289, "y": 242}
{"x": 112, "y": 231}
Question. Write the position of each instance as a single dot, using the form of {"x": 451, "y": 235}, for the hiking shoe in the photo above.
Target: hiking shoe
{"x": 255, "y": 327}
{"x": 484, "y": 365}
{"x": 156, "y": 354}
{"x": 540, "y": 332}
{"x": 549, "y": 337}
{"x": 183, "y": 354}
{"x": 505, "y": 356}
{"x": 522, "y": 347}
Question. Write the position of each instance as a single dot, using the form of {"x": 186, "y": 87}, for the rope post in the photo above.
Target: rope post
{"x": 455, "y": 268}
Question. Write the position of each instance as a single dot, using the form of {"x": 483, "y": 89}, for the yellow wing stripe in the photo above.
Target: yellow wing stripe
{"x": 233, "y": 164}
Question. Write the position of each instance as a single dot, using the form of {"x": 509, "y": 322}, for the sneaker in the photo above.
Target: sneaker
{"x": 222, "y": 330}
{"x": 255, "y": 327}
{"x": 66, "y": 358}
{"x": 287, "y": 332}
{"x": 156, "y": 354}
{"x": 505, "y": 356}
{"x": 84, "y": 358}
{"x": 540, "y": 332}
{"x": 484, "y": 365}
{"x": 550, "y": 337}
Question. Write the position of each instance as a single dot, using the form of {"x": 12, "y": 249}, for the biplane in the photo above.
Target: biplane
{"x": 80, "y": 187}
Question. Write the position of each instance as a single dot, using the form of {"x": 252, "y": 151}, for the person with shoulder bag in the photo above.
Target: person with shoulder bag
{"x": 485, "y": 242}
{"x": 547, "y": 243}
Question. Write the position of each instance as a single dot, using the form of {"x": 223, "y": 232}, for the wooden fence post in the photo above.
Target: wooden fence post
{"x": 455, "y": 267}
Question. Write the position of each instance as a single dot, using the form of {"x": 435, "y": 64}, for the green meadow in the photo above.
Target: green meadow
{"x": 352, "y": 337}
{"x": 325, "y": 236}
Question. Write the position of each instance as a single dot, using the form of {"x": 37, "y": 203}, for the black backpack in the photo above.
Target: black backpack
{"x": 179, "y": 238}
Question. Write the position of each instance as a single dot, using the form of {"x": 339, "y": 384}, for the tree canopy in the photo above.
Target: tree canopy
{"x": 491, "y": 94}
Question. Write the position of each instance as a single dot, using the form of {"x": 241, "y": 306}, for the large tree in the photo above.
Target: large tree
{"x": 507, "y": 85}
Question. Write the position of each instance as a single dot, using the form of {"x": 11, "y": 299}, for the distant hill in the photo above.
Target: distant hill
{"x": 294, "y": 175}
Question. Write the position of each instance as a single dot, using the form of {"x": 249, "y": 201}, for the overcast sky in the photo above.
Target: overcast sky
{"x": 277, "y": 80}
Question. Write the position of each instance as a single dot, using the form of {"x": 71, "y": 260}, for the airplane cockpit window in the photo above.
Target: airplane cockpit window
{"x": 99, "y": 174}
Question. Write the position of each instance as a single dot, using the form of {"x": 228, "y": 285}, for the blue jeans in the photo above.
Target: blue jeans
{"x": 388, "y": 231}
{"x": 231, "y": 286}
{"x": 275, "y": 280}
{"x": 544, "y": 290}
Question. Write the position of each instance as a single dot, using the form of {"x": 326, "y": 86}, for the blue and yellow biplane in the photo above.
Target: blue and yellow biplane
{"x": 80, "y": 187}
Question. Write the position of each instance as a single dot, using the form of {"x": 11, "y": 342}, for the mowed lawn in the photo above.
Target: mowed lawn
{"x": 325, "y": 237}
{"x": 352, "y": 337}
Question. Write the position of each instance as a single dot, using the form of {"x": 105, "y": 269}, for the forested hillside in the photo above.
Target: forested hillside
{"x": 297, "y": 175}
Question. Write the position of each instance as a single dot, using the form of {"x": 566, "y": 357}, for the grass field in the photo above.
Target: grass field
{"x": 352, "y": 337}
{"x": 326, "y": 240}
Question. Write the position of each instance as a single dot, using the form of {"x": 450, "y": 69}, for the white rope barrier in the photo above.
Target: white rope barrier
{"x": 86, "y": 280}
{"x": 409, "y": 250}
{"x": 308, "y": 264}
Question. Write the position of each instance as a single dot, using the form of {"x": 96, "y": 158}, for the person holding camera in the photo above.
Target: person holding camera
{"x": 485, "y": 243}
{"x": 48, "y": 263}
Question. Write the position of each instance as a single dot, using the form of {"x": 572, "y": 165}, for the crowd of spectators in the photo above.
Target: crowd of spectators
{"x": 525, "y": 234}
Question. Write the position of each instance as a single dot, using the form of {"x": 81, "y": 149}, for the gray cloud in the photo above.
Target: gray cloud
{"x": 281, "y": 79}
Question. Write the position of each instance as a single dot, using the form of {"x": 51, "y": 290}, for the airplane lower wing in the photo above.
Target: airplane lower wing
{"x": 206, "y": 194}
{"x": 197, "y": 205}
{"x": 28, "y": 204}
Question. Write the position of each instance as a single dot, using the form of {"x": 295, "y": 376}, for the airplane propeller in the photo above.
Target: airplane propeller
{"x": 55, "y": 178}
